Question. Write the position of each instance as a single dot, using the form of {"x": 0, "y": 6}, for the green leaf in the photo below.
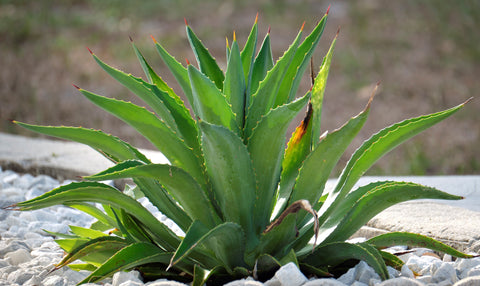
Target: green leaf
{"x": 199, "y": 276}
{"x": 181, "y": 186}
{"x": 82, "y": 266}
{"x": 234, "y": 86}
{"x": 392, "y": 260}
{"x": 101, "y": 193}
{"x": 226, "y": 241}
{"x": 86, "y": 232}
{"x": 298, "y": 148}
{"x": 335, "y": 253}
{"x": 230, "y": 170}
{"x": 103, "y": 243}
{"x": 248, "y": 56}
{"x": 318, "y": 90}
{"x": 274, "y": 241}
{"x": 264, "y": 98}
{"x": 380, "y": 144}
{"x": 152, "y": 128}
{"x": 319, "y": 164}
{"x": 127, "y": 258}
{"x": 210, "y": 104}
{"x": 142, "y": 90}
{"x": 300, "y": 61}
{"x": 70, "y": 244}
{"x": 208, "y": 65}
{"x": 263, "y": 63}
{"x": 266, "y": 147}
{"x": 178, "y": 71}
{"x": 376, "y": 200}
{"x": 414, "y": 240}
{"x": 108, "y": 145}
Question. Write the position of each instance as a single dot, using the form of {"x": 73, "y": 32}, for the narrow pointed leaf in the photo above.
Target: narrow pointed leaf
{"x": 414, "y": 240}
{"x": 178, "y": 71}
{"x": 127, "y": 258}
{"x": 101, "y": 193}
{"x": 300, "y": 62}
{"x": 337, "y": 252}
{"x": 266, "y": 147}
{"x": 234, "y": 86}
{"x": 377, "y": 146}
{"x": 192, "y": 238}
{"x": 264, "y": 98}
{"x": 248, "y": 56}
{"x": 152, "y": 128}
{"x": 108, "y": 145}
{"x": 319, "y": 164}
{"x": 262, "y": 64}
{"x": 318, "y": 90}
{"x": 210, "y": 104}
{"x": 298, "y": 148}
{"x": 182, "y": 187}
{"x": 208, "y": 65}
{"x": 86, "y": 232}
{"x": 377, "y": 200}
{"x": 112, "y": 243}
{"x": 230, "y": 170}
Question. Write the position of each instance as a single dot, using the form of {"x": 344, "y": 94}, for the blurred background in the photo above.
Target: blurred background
{"x": 425, "y": 53}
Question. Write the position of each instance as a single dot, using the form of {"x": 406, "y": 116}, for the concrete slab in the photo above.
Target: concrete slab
{"x": 59, "y": 159}
{"x": 457, "y": 223}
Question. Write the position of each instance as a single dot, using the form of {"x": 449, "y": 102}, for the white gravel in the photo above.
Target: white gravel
{"x": 27, "y": 253}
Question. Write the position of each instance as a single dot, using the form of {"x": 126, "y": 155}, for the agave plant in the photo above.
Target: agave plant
{"x": 245, "y": 203}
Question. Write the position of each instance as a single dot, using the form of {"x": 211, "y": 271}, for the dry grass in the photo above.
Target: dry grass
{"x": 426, "y": 56}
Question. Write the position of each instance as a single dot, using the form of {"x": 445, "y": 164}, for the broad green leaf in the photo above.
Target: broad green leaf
{"x": 127, "y": 258}
{"x": 392, "y": 260}
{"x": 208, "y": 65}
{"x": 86, "y": 232}
{"x": 111, "y": 243}
{"x": 333, "y": 254}
{"x": 226, "y": 241}
{"x": 230, "y": 170}
{"x": 199, "y": 275}
{"x": 106, "y": 144}
{"x": 248, "y": 56}
{"x": 414, "y": 240}
{"x": 376, "y": 200}
{"x": 275, "y": 241}
{"x": 234, "y": 86}
{"x": 264, "y": 98}
{"x": 318, "y": 90}
{"x": 101, "y": 193}
{"x": 266, "y": 147}
{"x": 181, "y": 186}
{"x": 262, "y": 64}
{"x": 178, "y": 71}
{"x": 191, "y": 240}
{"x": 377, "y": 146}
{"x": 210, "y": 103}
{"x": 300, "y": 62}
{"x": 82, "y": 266}
{"x": 152, "y": 128}
{"x": 142, "y": 89}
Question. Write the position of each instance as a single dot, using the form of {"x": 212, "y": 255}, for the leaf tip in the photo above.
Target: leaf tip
{"x": 76, "y": 86}
{"x": 130, "y": 38}
{"x": 185, "y": 19}
{"x": 303, "y": 26}
{"x": 369, "y": 103}
{"x": 256, "y": 18}
{"x": 338, "y": 32}
{"x": 468, "y": 100}
{"x": 154, "y": 41}
{"x": 188, "y": 62}
{"x": 90, "y": 50}
{"x": 234, "y": 36}
{"x": 269, "y": 27}
{"x": 328, "y": 10}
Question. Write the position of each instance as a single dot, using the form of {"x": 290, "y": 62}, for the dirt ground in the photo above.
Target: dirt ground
{"x": 427, "y": 57}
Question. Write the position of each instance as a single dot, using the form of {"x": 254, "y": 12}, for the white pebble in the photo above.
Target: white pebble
{"x": 470, "y": 281}
{"x": 18, "y": 256}
{"x": 348, "y": 278}
{"x": 446, "y": 272}
{"x": 324, "y": 282}
{"x": 120, "y": 277}
{"x": 290, "y": 275}
{"x": 407, "y": 272}
{"x": 164, "y": 282}
{"x": 401, "y": 281}
{"x": 364, "y": 273}
{"x": 54, "y": 280}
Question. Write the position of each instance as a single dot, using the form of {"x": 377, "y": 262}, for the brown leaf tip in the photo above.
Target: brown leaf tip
{"x": 186, "y": 23}
{"x": 269, "y": 27}
{"x": 130, "y": 38}
{"x": 89, "y": 50}
{"x": 188, "y": 62}
{"x": 76, "y": 86}
{"x": 328, "y": 10}
{"x": 303, "y": 26}
{"x": 256, "y": 19}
